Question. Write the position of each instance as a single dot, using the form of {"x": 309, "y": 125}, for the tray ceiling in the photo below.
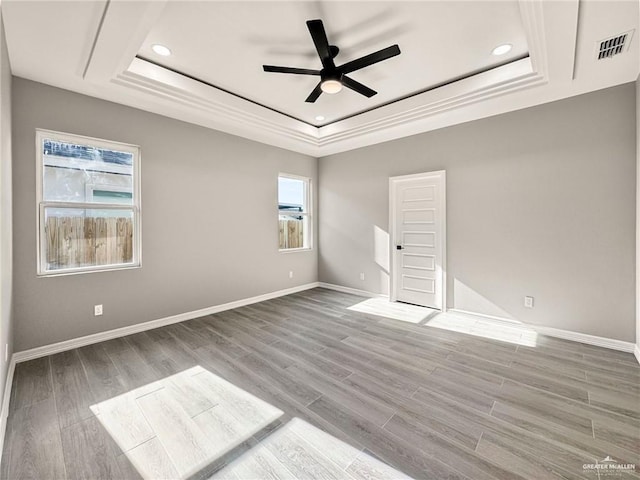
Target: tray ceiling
{"x": 226, "y": 45}
{"x": 445, "y": 74}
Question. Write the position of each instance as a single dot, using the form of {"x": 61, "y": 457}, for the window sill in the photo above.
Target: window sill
{"x": 293, "y": 250}
{"x": 106, "y": 268}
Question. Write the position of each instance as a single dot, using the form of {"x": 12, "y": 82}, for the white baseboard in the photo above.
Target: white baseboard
{"x": 504, "y": 320}
{"x": 141, "y": 327}
{"x": 611, "y": 343}
{"x": 6, "y": 398}
{"x": 353, "y": 291}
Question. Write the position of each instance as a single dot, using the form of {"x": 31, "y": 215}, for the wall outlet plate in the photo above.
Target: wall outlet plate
{"x": 528, "y": 302}
{"x": 291, "y": 274}
{"x": 97, "y": 310}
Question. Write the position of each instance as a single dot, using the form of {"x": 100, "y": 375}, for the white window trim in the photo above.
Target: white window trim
{"x": 106, "y": 187}
{"x": 135, "y": 207}
{"x": 308, "y": 213}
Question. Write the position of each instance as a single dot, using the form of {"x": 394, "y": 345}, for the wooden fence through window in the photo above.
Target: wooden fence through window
{"x": 291, "y": 234}
{"x": 85, "y": 241}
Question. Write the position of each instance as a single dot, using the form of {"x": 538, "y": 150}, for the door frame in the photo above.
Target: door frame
{"x": 393, "y": 184}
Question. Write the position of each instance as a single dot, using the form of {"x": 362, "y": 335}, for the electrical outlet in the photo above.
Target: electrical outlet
{"x": 362, "y": 276}
{"x": 528, "y": 302}
{"x": 97, "y": 310}
{"x": 290, "y": 273}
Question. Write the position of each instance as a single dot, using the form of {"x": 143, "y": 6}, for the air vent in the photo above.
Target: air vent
{"x": 612, "y": 46}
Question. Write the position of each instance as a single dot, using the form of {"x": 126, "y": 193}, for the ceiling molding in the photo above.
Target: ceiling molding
{"x": 112, "y": 51}
{"x": 235, "y": 115}
{"x": 533, "y": 20}
{"x": 100, "y": 61}
{"x": 226, "y": 108}
{"x": 498, "y": 81}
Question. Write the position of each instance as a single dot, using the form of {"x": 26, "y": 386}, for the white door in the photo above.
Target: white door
{"x": 418, "y": 238}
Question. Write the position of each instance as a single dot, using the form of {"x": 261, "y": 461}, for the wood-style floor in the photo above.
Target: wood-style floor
{"x": 432, "y": 403}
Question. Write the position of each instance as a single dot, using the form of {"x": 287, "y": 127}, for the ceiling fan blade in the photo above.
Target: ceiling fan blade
{"x": 313, "y": 96}
{"x": 357, "y": 87}
{"x": 298, "y": 71}
{"x": 319, "y": 36}
{"x": 370, "y": 59}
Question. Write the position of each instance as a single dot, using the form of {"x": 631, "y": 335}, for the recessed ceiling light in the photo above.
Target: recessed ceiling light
{"x": 319, "y": 118}
{"x": 161, "y": 49}
{"x": 502, "y": 49}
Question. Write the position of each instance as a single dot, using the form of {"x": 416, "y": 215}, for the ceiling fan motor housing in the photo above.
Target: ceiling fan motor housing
{"x": 330, "y": 75}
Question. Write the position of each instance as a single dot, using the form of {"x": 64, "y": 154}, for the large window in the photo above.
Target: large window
{"x": 88, "y": 199}
{"x": 294, "y": 212}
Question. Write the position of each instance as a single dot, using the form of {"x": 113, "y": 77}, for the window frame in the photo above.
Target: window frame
{"x": 89, "y": 188}
{"x": 308, "y": 213}
{"x": 42, "y": 205}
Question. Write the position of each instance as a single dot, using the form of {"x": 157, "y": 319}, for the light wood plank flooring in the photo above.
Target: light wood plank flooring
{"x": 429, "y": 402}
{"x": 300, "y": 450}
{"x": 176, "y": 427}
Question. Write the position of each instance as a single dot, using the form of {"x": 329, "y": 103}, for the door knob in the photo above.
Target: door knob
{"x": 399, "y": 247}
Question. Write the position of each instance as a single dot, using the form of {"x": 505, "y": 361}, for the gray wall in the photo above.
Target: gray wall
{"x": 209, "y": 220}
{"x": 540, "y": 202}
{"x": 6, "y": 277}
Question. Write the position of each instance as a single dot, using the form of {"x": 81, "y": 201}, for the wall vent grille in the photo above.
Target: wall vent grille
{"x": 609, "y": 47}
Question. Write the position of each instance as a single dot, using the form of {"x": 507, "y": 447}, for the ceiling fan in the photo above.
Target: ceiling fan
{"x": 333, "y": 78}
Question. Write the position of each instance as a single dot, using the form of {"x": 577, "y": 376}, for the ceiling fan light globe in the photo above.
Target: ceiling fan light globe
{"x": 331, "y": 86}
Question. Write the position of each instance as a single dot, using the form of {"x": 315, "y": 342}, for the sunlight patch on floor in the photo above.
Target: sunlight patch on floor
{"x": 405, "y": 312}
{"x": 175, "y": 427}
{"x": 179, "y": 426}
{"x": 300, "y": 450}
{"x": 504, "y": 331}
{"x": 510, "y": 331}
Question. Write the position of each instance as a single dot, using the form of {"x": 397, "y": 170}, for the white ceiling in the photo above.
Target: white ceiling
{"x": 226, "y": 45}
{"x": 104, "y": 47}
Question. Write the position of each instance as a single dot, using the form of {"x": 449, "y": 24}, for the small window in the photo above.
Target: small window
{"x": 294, "y": 212}
{"x": 88, "y": 204}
